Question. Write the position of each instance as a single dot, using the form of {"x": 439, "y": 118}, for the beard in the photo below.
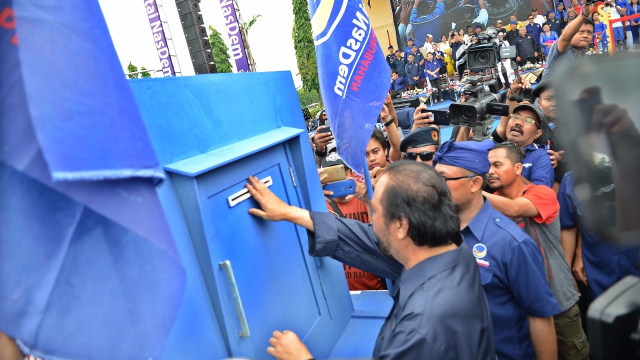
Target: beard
{"x": 495, "y": 186}
{"x": 383, "y": 243}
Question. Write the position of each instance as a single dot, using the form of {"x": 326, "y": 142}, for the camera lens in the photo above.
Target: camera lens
{"x": 469, "y": 112}
{"x": 482, "y": 57}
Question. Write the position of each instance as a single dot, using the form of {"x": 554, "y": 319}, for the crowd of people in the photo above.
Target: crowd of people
{"x": 481, "y": 241}
{"x": 533, "y": 39}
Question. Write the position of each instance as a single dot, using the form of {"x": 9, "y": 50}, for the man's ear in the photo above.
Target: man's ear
{"x": 476, "y": 183}
{"x": 538, "y": 133}
{"x": 518, "y": 168}
{"x": 401, "y": 227}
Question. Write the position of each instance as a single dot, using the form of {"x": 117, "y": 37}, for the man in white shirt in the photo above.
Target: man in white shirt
{"x": 428, "y": 44}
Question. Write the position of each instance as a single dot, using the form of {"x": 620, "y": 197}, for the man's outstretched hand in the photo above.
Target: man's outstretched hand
{"x": 287, "y": 346}
{"x": 273, "y": 208}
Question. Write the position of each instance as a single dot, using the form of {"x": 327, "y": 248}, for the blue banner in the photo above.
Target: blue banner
{"x": 354, "y": 76}
{"x": 88, "y": 265}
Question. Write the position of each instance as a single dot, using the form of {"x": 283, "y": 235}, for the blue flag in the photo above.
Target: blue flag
{"x": 88, "y": 268}
{"x": 354, "y": 76}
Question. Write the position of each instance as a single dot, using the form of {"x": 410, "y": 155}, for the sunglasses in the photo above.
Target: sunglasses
{"x": 424, "y": 156}
{"x": 530, "y": 19}
{"x": 528, "y": 120}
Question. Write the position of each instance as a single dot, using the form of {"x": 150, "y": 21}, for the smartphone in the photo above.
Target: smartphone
{"x": 341, "y": 188}
{"x": 440, "y": 117}
{"x": 325, "y": 130}
{"x": 334, "y": 173}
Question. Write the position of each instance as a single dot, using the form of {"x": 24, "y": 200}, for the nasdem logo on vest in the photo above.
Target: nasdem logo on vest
{"x": 353, "y": 74}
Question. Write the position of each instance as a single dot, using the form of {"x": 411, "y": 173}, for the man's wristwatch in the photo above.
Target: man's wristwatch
{"x": 389, "y": 122}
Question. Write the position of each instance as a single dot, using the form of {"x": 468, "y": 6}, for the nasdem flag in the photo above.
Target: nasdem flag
{"x": 354, "y": 76}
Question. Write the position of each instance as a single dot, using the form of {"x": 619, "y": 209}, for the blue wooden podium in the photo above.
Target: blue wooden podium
{"x": 246, "y": 276}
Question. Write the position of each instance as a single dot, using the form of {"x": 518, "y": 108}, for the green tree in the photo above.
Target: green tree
{"x": 303, "y": 44}
{"x": 220, "y": 51}
{"x": 144, "y": 73}
{"x": 132, "y": 69}
{"x": 134, "y": 74}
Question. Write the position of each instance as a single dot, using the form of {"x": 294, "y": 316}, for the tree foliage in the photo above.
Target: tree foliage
{"x": 220, "y": 51}
{"x": 303, "y": 44}
{"x": 134, "y": 74}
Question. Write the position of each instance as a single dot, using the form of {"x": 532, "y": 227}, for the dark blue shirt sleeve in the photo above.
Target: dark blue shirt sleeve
{"x": 350, "y": 242}
{"x": 568, "y": 215}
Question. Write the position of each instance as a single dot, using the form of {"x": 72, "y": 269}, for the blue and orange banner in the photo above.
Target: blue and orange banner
{"x": 354, "y": 76}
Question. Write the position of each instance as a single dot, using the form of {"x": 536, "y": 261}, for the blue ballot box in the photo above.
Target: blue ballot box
{"x": 246, "y": 276}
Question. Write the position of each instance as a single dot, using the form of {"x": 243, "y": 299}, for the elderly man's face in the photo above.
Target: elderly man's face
{"x": 523, "y": 31}
{"x": 520, "y": 130}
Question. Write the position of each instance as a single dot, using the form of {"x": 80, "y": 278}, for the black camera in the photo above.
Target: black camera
{"x": 483, "y": 100}
{"x": 486, "y": 52}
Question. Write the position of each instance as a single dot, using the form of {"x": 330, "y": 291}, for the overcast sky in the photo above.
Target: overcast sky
{"x": 269, "y": 39}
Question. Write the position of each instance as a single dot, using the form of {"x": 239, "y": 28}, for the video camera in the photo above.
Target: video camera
{"x": 480, "y": 105}
{"x": 487, "y": 52}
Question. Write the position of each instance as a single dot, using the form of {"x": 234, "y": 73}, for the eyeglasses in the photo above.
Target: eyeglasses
{"x": 457, "y": 178}
{"x": 528, "y": 120}
{"x": 424, "y": 156}
{"x": 529, "y": 18}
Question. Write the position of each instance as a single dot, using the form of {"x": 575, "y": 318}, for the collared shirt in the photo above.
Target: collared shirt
{"x": 426, "y": 321}
{"x": 555, "y": 25}
{"x": 513, "y": 279}
{"x": 604, "y": 263}
{"x": 413, "y": 70}
{"x": 534, "y": 30}
{"x": 555, "y": 56}
{"x": 398, "y": 65}
{"x": 525, "y": 46}
{"x": 432, "y": 66}
{"x": 536, "y": 165}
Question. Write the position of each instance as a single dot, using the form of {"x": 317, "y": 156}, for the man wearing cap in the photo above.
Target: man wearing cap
{"x": 418, "y": 58}
{"x": 399, "y": 64}
{"x": 428, "y": 44}
{"x": 478, "y": 29}
{"x": 440, "y": 310}
{"x": 523, "y": 127}
{"x": 421, "y": 144}
{"x": 350, "y": 207}
{"x": 512, "y": 32}
{"x": 522, "y": 305}
{"x": 500, "y": 28}
{"x": 407, "y": 50}
{"x": 537, "y": 18}
{"x": 391, "y": 56}
{"x": 573, "y": 42}
{"x": 535, "y": 209}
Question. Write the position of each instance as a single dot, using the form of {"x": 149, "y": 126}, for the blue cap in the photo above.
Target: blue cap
{"x": 514, "y": 22}
{"x": 469, "y": 155}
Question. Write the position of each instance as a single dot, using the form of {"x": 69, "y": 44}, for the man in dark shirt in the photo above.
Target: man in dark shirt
{"x": 413, "y": 72}
{"x": 391, "y": 57}
{"x": 439, "y": 310}
{"x": 512, "y": 34}
{"x": 398, "y": 64}
{"x": 525, "y": 48}
{"x": 554, "y": 23}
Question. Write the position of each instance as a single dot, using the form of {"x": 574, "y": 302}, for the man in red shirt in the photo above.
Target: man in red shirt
{"x": 535, "y": 209}
{"x": 351, "y": 207}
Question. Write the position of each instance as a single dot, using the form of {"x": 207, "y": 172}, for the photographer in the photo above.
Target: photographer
{"x": 573, "y": 42}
